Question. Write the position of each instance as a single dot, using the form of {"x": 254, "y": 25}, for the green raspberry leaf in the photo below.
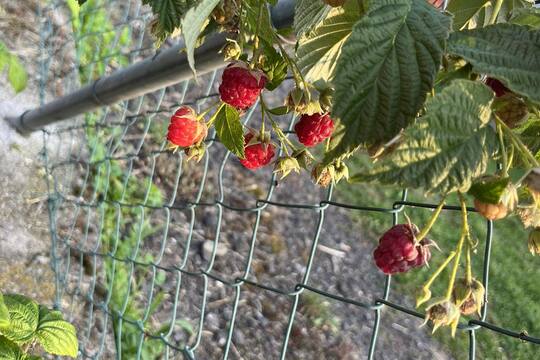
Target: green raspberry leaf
{"x": 23, "y": 317}
{"x": 17, "y": 76}
{"x": 464, "y": 11}
{"x": 230, "y": 130}
{"x": 446, "y": 149}
{"x": 319, "y": 50}
{"x": 386, "y": 68}
{"x": 279, "y": 111}
{"x": 57, "y": 336}
{"x": 264, "y": 26}
{"x": 308, "y": 14}
{"x": 170, "y": 12}
{"x": 526, "y": 16}
{"x": 507, "y": 52}
{"x": 274, "y": 66}
{"x": 11, "y": 351}
{"x": 489, "y": 190}
{"x": 193, "y": 24}
{"x": 4, "y": 314}
{"x": 529, "y": 134}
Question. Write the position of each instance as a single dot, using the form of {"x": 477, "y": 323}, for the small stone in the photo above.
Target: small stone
{"x": 208, "y": 248}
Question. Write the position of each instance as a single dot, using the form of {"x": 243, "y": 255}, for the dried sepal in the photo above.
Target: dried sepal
{"x": 443, "y": 313}
{"x": 534, "y": 241}
{"x": 285, "y": 165}
{"x": 468, "y": 296}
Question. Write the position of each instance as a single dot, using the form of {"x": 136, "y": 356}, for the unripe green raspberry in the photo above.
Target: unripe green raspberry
{"x": 232, "y": 50}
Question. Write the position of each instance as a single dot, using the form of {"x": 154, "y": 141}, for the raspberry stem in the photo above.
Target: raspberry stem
{"x": 263, "y": 120}
{"x": 495, "y": 13}
{"x": 505, "y": 165}
{"x": 440, "y": 269}
{"x": 214, "y": 116}
{"x": 469, "y": 264}
{"x": 241, "y": 27}
{"x": 437, "y": 272}
{"x": 284, "y": 140}
{"x": 459, "y": 248}
{"x": 205, "y": 112}
{"x": 297, "y": 74}
{"x": 431, "y": 222}
{"x": 256, "y": 48}
{"x": 510, "y": 157}
{"x": 517, "y": 142}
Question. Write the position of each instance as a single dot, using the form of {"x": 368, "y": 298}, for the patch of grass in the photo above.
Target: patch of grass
{"x": 319, "y": 312}
{"x": 514, "y": 272}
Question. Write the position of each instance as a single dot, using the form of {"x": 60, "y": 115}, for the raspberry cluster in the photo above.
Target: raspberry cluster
{"x": 241, "y": 86}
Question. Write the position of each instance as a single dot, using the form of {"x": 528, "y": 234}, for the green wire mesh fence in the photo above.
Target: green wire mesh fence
{"x": 156, "y": 257}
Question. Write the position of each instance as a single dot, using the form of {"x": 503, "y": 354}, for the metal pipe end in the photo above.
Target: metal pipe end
{"x": 17, "y": 123}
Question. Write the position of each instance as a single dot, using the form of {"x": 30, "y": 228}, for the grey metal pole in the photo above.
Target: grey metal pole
{"x": 167, "y": 68}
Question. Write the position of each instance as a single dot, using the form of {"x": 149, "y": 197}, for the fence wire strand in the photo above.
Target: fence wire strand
{"x": 107, "y": 198}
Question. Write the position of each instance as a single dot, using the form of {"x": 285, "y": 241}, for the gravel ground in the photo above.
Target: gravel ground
{"x": 323, "y": 328}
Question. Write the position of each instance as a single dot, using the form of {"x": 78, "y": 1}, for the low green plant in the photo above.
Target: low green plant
{"x": 132, "y": 229}
{"x": 319, "y": 312}
{"x": 98, "y": 42}
{"x": 16, "y": 74}
{"x": 123, "y": 232}
{"x": 25, "y": 325}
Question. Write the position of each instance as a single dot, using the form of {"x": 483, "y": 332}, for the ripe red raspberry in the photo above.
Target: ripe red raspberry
{"x": 397, "y": 251}
{"x": 436, "y": 3}
{"x": 497, "y": 86}
{"x": 185, "y": 129}
{"x": 258, "y": 153}
{"x": 313, "y": 129}
{"x": 240, "y": 87}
